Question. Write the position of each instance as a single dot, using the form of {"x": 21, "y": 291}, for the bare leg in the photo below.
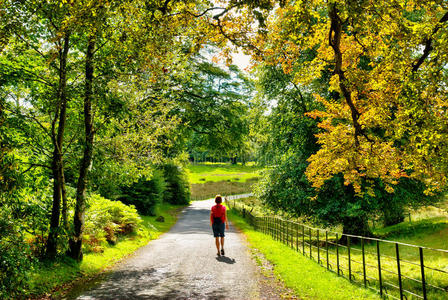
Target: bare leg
{"x": 217, "y": 243}
{"x": 222, "y": 243}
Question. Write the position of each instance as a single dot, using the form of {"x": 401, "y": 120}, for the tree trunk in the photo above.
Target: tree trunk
{"x": 393, "y": 213}
{"x": 51, "y": 249}
{"x": 335, "y": 42}
{"x": 75, "y": 243}
{"x": 64, "y": 217}
{"x": 57, "y": 164}
{"x": 355, "y": 226}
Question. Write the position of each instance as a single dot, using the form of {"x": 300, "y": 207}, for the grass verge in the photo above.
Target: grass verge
{"x": 308, "y": 279}
{"x": 56, "y": 277}
{"x": 430, "y": 232}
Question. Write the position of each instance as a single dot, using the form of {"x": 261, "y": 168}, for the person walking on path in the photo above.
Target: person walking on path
{"x": 218, "y": 217}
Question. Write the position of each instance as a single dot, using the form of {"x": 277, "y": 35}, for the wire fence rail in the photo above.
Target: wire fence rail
{"x": 393, "y": 269}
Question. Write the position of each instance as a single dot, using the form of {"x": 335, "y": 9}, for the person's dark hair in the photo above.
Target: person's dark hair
{"x": 218, "y": 199}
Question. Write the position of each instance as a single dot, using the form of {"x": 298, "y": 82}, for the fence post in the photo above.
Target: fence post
{"x": 297, "y": 237}
{"x": 287, "y": 233}
{"x": 303, "y": 239}
{"x": 279, "y": 236}
{"x": 318, "y": 247}
{"x": 274, "y": 227}
{"x": 337, "y": 251}
{"x": 380, "y": 279}
{"x": 326, "y": 247}
{"x": 363, "y": 262}
{"x": 349, "y": 260}
{"x": 311, "y": 247}
{"x": 266, "y": 227}
{"x": 422, "y": 267}
{"x": 277, "y": 229}
{"x": 282, "y": 232}
{"x": 400, "y": 284}
{"x": 291, "y": 234}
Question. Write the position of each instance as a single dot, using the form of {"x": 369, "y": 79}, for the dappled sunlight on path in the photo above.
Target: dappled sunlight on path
{"x": 183, "y": 264}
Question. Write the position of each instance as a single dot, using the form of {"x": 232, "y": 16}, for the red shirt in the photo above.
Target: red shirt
{"x": 218, "y": 211}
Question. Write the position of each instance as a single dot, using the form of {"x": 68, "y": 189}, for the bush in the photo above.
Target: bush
{"x": 145, "y": 194}
{"x": 177, "y": 185}
{"x": 15, "y": 258}
{"x": 105, "y": 220}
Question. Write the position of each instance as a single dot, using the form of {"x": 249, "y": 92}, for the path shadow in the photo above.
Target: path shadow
{"x": 148, "y": 283}
{"x": 226, "y": 260}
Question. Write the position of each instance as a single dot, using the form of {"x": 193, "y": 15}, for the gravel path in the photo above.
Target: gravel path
{"x": 182, "y": 264}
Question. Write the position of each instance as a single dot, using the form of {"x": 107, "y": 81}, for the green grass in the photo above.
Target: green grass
{"x": 210, "y": 179}
{"x": 55, "y": 277}
{"x": 213, "y": 172}
{"x": 210, "y": 189}
{"x": 431, "y": 232}
{"x": 308, "y": 279}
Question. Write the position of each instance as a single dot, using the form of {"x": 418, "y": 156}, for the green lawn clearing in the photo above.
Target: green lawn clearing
{"x": 206, "y": 172}
{"x": 210, "y": 179}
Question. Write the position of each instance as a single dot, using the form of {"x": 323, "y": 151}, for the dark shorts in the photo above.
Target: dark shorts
{"x": 218, "y": 229}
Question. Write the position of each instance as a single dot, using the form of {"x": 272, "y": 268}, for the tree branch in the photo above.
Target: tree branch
{"x": 334, "y": 39}
{"x": 33, "y": 165}
{"x": 35, "y": 49}
{"x": 428, "y": 44}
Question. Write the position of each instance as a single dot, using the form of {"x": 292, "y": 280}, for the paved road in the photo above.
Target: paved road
{"x": 182, "y": 264}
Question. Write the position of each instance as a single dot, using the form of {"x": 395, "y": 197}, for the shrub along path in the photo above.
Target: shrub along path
{"x": 183, "y": 264}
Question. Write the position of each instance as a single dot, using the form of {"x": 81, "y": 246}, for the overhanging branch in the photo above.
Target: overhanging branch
{"x": 428, "y": 44}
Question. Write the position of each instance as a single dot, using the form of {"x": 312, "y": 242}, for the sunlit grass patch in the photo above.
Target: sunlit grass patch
{"x": 308, "y": 279}
{"x": 210, "y": 179}
{"x": 213, "y": 172}
{"x": 210, "y": 189}
{"x": 430, "y": 232}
